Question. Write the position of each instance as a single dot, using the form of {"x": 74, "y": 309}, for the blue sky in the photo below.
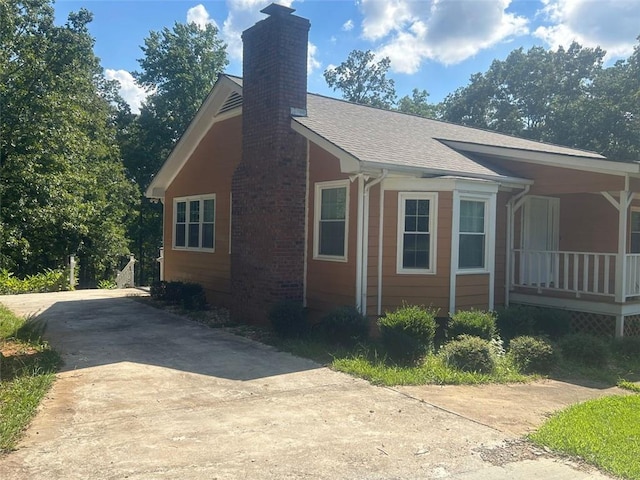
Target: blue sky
{"x": 433, "y": 44}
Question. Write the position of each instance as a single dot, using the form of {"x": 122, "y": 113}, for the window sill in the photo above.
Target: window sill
{"x": 193, "y": 249}
{"x": 326, "y": 258}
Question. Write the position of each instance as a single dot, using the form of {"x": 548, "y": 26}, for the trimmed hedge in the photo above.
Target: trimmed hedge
{"x": 531, "y": 354}
{"x": 407, "y": 333}
{"x": 344, "y": 326}
{"x": 189, "y": 296}
{"x": 475, "y": 323}
{"x": 469, "y": 354}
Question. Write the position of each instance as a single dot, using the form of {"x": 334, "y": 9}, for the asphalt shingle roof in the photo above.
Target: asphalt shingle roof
{"x": 391, "y": 138}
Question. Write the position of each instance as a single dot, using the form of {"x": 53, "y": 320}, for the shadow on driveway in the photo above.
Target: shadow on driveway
{"x": 102, "y": 331}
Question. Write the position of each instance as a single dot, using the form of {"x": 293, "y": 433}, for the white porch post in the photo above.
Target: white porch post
{"x": 621, "y": 264}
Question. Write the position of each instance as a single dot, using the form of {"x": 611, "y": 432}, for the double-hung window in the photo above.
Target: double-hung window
{"x": 416, "y": 232}
{"x": 194, "y": 223}
{"x": 472, "y": 246}
{"x": 331, "y": 224}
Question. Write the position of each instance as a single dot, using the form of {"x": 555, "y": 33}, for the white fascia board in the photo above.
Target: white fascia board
{"x": 596, "y": 164}
{"x": 417, "y": 171}
{"x": 439, "y": 184}
{"x": 197, "y": 129}
{"x": 348, "y": 163}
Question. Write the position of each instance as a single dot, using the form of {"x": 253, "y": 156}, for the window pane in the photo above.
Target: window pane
{"x": 331, "y": 238}
{"x": 181, "y": 212}
{"x": 207, "y": 235}
{"x": 194, "y": 235}
{"x": 471, "y": 216}
{"x": 208, "y": 210}
{"x": 471, "y": 251}
{"x": 415, "y": 250}
{"x": 194, "y": 211}
{"x": 333, "y": 206}
{"x": 180, "y": 235}
{"x": 410, "y": 207}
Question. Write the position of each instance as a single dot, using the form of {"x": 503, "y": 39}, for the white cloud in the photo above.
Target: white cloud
{"x": 448, "y": 31}
{"x": 242, "y": 15}
{"x": 610, "y": 24}
{"x": 200, "y": 16}
{"x": 132, "y": 93}
{"x": 312, "y": 62}
{"x": 347, "y": 26}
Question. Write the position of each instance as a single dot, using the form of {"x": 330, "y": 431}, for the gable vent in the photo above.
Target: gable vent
{"x": 233, "y": 101}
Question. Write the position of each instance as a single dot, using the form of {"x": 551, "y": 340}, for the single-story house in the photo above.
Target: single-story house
{"x": 275, "y": 193}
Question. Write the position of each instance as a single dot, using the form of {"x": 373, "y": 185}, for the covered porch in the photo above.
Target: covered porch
{"x": 578, "y": 251}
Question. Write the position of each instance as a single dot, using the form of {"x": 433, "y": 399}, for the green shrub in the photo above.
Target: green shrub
{"x": 189, "y": 296}
{"x": 552, "y": 322}
{"x": 532, "y": 354}
{"x": 627, "y": 347}
{"x": 193, "y": 297}
{"x": 515, "y": 321}
{"x": 586, "y": 349}
{"x": 469, "y": 354}
{"x": 47, "y": 281}
{"x": 288, "y": 319}
{"x": 107, "y": 284}
{"x": 344, "y": 326}
{"x": 407, "y": 333}
{"x": 475, "y": 323}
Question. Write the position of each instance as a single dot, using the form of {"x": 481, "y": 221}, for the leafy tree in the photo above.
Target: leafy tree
{"x": 363, "y": 80}
{"x": 613, "y": 110}
{"x": 417, "y": 104}
{"x": 179, "y": 68}
{"x": 62, "y": 184}
{"x": 529, "y": 94}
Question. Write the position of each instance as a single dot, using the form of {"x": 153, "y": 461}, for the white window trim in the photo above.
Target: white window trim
{"x": 193, "y": 198}
{"x": 433, "y": 230}
{"x": 489, "y": 233}
{"x": 317, "y": 206}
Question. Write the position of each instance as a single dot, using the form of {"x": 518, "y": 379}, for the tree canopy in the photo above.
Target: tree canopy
{"x": 363, "y": 80}
{"x": 62, "y": 185}
{"x": 565, "y": 97}
{"x": 179, "y": 68}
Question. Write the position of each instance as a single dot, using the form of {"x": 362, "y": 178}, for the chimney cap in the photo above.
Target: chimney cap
{"x": 277, "y": 10}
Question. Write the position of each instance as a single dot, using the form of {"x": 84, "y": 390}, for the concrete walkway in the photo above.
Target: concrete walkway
{"x": 145, "y": 394}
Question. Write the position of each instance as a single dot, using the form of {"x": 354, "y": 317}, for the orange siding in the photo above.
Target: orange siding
{"x": 330, "y": 284}
{"x": 554, "y": 180}
{"x": 472, "y": 291}
{"x": 416, "y": 289}
{"x": 208, "y": 170}
{"x": 588, "y": 223}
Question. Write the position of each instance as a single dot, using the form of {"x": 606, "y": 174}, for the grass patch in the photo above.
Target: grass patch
{"x": 432, "y": 370}
{"x": 27, "y": 370}
{"x": 604, "y": 432}
{"x": 631, "y": 386}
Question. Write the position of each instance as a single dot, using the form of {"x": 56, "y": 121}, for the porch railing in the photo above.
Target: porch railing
{"x": 575, "y": 272}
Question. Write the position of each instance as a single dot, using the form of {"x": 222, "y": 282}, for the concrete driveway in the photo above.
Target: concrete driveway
{"x": 145, "y": 394}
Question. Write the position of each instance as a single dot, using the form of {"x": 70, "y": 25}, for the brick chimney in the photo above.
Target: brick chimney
{"x": 269, "y": 185}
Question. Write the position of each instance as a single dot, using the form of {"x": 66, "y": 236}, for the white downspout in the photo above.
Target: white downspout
{"x": 306, "y": 230}
{"x": 380, "y": 251}
{"x": 365, "y": 242}
{"x": 359, "y": 238}
{"x": 509, "y": 244}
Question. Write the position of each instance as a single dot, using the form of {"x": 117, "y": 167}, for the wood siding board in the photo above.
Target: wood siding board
{"x": 208, "y": 170}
